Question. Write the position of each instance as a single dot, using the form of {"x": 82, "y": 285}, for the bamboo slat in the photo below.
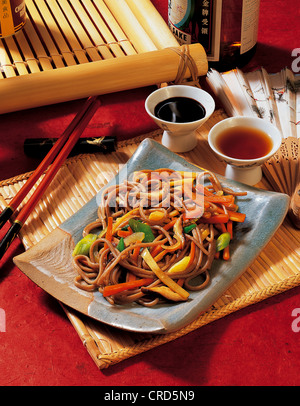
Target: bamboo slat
{"x": 133, "y": 29}
{"x": 146, "y": 14}
{"x": 65, "y": 42}
{"x": 274, "y": 271}
{"x": 115, "y": 27}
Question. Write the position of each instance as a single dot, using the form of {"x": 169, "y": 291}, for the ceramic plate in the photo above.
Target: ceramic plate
{"x": 49, "y": 263}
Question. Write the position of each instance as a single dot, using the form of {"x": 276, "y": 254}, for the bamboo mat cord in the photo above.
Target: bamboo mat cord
{"x": 186, "y": 62}
{"x": 52, "y": 56}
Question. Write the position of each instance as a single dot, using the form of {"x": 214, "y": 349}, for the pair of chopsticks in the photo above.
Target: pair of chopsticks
{"x": 57, "y": 155}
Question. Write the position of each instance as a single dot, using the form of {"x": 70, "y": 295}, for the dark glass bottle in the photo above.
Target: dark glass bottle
{"x": 227, "y": 29}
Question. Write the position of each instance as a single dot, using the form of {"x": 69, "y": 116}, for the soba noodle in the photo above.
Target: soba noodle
{"x": 174, "y": 217}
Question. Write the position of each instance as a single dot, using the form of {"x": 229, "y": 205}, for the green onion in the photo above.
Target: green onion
{"x": 83, "y": 246}
{"x": 121, "y": 245}
{"x": 223, "y": 241}
{"x": 138, "y": 227}
{"x": 189, "y": 228}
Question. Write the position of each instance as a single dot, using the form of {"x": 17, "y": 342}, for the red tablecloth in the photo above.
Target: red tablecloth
{"x": 254, "y": 346}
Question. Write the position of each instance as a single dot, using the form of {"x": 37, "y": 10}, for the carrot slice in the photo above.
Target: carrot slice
{"x": 108, "y": 235}
{"x": 192, "y": 253}
{"x": 121, "y": 287}
{"x": 237, "y": 216}
{"x": 219, "y": 218}
{"x": 135, "y": 254}
{"x": 230, "y": 228}
{"x": 124, "y": 233}
{"x": 227, "y": 199}
{"x": 226, "y": 253}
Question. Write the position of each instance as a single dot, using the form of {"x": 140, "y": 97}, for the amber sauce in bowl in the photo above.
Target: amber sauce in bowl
{"x": 244, "y": 142}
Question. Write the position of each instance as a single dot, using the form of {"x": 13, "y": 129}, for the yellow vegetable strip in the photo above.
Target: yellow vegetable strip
{"x": 156, "y": 215}
{"x": 126, "y": 216}
{"x": 162, "y": 276}
{"x": 180, "y": 266}
{"x": 205, "y": 233}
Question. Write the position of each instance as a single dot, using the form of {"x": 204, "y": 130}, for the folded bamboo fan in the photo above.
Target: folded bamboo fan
{"x": 276, "y": 98}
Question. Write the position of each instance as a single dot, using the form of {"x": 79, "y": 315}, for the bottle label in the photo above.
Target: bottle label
{"x": 197, "y": 21}
{"x": 179, "y": 19}
{"x": 249, "y": 24}
{"x": 12, "y": 17}
{"x": 201, "y": 21}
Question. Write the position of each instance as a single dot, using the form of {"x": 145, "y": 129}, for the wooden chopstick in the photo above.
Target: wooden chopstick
{"x": 65, "y": 144}
{"x": 15, "y": 202}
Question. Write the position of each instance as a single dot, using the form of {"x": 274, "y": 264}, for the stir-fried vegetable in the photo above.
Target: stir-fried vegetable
{"x": 162, "y": 276}
{"x": 164, "y": 291}
{"x": 180, "y": 266}
{"x": 223, "y": 241}
{"x": 133, "y": 238}
{"x": 156, "y": 215}
{"x": 83, "y": 246}
{"x": 121, "y": 244}
{"x": 122, "y": 219}
{"x": 189, "y": 228}
{"x": 137, "y": 226}
{"x": 121, "y": 287}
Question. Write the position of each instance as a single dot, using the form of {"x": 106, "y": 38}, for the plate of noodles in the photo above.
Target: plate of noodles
{"x": 157, "y": 246}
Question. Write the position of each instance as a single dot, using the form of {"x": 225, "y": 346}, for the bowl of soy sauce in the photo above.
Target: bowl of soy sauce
{"x": 180, "y": 110}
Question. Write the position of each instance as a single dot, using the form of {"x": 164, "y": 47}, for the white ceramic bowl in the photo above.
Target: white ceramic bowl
{"x": 244, "y": 170}
{"x": 180, "y": 137}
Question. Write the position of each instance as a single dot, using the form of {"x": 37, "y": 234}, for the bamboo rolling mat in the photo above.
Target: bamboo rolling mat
{"x": 102, "y": 46}
{"x": 274, "y": 271}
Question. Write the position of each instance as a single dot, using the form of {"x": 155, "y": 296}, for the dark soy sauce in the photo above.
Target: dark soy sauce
{"x": 179, "y": 110}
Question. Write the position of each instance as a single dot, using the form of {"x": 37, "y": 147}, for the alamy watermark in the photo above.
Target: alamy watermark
{"x": 296, "y": 62}
{"x": 296, "y": 321}
{"x": 156, "y": 190}
{"x": 2, "y": 321}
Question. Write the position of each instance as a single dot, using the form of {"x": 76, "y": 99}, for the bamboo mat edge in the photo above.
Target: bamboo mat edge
{"x": 206, "y": 318}
{"x": 91, "y": 342}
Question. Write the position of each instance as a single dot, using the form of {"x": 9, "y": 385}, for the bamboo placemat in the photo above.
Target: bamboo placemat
{"x": 101, "y": 45}
{"x": 274, "y": 271}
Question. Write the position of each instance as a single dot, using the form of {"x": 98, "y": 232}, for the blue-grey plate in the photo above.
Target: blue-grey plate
{"x": 49, "y": 263}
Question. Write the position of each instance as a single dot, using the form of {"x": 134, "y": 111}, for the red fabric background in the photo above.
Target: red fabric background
{"x": 255, "y": 346}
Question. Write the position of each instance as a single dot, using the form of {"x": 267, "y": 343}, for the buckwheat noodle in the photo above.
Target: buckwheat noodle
{"x": 154, "y": 198}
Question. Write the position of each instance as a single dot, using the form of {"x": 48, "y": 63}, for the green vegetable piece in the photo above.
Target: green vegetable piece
{"x": 121, "y": 245}
{"x": 136, "y": 226}
{"x": 189, "y": 228}
{"x": 223, "y": 241}
{"x": 83, "y": 246}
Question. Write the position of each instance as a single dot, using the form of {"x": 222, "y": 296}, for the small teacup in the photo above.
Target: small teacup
{"x": 179, "y": 137}
{"x": 247, "y": 171}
